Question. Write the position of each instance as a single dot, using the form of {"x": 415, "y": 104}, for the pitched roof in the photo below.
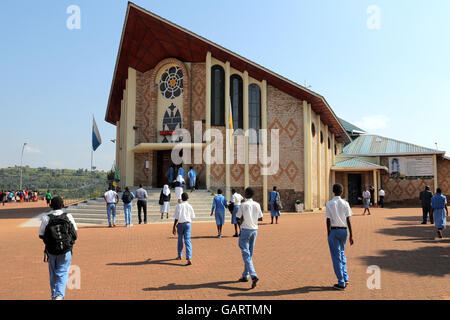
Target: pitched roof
{"x": 350, "y": 127}
{"x": 374, "y": 145}
{"x": 356, "y": 164}
{"x": 147, "y": 39}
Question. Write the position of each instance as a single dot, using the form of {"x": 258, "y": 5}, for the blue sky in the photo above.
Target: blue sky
{"x": 393, "y": 81}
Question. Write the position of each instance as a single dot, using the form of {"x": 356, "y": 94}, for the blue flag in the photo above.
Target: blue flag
{"x": 96, "y": 139}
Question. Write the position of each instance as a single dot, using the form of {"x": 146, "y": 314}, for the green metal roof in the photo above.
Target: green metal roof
{"x": 356, "y": 163}
{"x": 350, "y": 127}
{"x": 374, "y": 145}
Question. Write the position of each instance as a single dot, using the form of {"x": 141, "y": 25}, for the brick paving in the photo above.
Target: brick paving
{"x": 292, "y": 260}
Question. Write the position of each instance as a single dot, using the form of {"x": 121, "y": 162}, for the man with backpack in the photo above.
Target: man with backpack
{"x": 127, "y": 198}
{"x": 58, "y": 230}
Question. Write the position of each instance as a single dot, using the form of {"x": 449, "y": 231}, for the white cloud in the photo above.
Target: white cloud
{"x": 374, "y": 122}
{"x": 29, "y": 149}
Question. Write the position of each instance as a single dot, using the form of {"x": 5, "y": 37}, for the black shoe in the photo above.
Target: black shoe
{"x": 423, "y": 223}
{"x": 254, "y": 281}
{"x": 236, "y": 235}
{"x": 178, "y": 258}
{"x": 243, "y": 279}
{"x": 338, "y": 287}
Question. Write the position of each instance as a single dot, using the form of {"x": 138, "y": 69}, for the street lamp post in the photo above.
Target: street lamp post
{"x": 21, "y": 161}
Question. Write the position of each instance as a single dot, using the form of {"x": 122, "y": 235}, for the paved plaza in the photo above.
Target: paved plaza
{"x": 292, "y": 260}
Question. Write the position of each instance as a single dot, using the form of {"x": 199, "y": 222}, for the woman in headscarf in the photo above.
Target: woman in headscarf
{"x": 179, "y": 184}
{"x": 164, "y": 201}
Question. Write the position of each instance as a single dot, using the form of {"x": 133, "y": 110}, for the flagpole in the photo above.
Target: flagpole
{"x": 92, "y": 147}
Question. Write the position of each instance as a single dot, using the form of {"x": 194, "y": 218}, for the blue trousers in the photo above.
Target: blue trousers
{"x": 111, "y": 208}
{"x": 247, "y": 244}
{"x": 184, "y": 234}
{"x": 336, "y": 241}
{"x": 58, "y": 268}
{"x": 127, "y": 210}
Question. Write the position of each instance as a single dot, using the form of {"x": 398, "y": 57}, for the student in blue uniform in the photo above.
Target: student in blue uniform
{"x": 170, "y": 174}
{"x": 218, "y": 206}
{"x": 181, "y": 172}
{"x": 273, "y": 196}
{"x": 439, "y": 211}
{"x": 192, "y": 175}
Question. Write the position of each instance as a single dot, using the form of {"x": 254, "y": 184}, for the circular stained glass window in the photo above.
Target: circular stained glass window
{"x": 171, "y": 83}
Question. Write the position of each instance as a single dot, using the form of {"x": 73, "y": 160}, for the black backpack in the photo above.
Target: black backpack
{"x": 60, "y": 235}
{"x": 127, "y": 197}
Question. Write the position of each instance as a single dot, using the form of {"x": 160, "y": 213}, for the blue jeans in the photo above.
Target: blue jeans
{"x": 111, "y": 207}
{"x": 58, "y": 268}
{"x": 336, "y": 241}
{"x": 184, "y": 234}
{"x": 246, "y": 244}
{"x": 127, "y": 210}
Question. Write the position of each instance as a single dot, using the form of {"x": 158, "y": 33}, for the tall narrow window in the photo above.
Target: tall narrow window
{"x": 254, "y": 112}
{"x": 217, "y": 96}
{"x": 236, "y": 101}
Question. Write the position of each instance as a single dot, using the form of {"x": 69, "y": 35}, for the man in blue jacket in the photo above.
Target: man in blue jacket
{"x": 218, "y": 206}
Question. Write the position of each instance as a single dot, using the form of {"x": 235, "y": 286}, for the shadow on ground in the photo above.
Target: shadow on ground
{"x": 426, "y": 261}
{"x": 302, "y": 290}
{"x": 224, "y": 285}
{"x": 147, "y": 262}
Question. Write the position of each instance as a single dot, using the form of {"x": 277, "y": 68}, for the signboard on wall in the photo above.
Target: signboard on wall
{"x": 402, "y": 167}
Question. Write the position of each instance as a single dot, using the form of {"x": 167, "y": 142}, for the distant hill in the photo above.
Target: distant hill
{"x": 71, "y": 184}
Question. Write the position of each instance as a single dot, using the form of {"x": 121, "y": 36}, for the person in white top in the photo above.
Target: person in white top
{"x": 382, "y": 194}
{"x": 338, "y": 214}
{"x": 248, "y": 215}
{"x": 236, "y": 199}
{"x": 58, "y": 230}
{"x": 184, "y": 213}
{"x": 366, "y": 201}
{"x": 111, "y": 198}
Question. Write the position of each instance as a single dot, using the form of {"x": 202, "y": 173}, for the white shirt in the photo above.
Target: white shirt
{"x": 184, "y": 212}
{"x": 366, "y": 195}
{"x": 251, "y": 211}
{"x": 46, "y": 219}
{"x": 382, "y": 193}
{"x": 110, "y": 196}
{"x": 337, "y": 211}
{"x": 236, "y": 199}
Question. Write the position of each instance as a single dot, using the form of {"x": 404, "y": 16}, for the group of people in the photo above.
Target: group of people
{"x": 435, "y": 208}
{"x": 368, "y": 198}
{"x": 19, "y": 196}
{"x": 175, "y": 175}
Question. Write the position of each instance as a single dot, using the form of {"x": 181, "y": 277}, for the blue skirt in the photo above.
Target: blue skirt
{"x": 233, "y": 215}
{"x": 273, "y": 212}
{"x": 440, "y": 219}
{"x": 220, "y": 218}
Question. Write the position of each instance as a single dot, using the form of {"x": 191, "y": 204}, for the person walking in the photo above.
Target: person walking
{"x": 141, "y": 195}
{"x": 179, "y": 185}
{"x": 183, "y": 215}
{"x": 218, "y": 208}
{"x": 170, "y": 174}
{"x": 164, "y": 201}
{"x": 440, "y": 211}
{"x": 111, "y": 198}
{"x": 192, "y": 175}
{"x": 2, "y": 197}
{"x": 127, "y": 198}
{"x": 366, "y": 201}
{"x": 274, "y": 200}
{"x": 382, "y": 194}
{"x": 236, "y": 200}
{"x": 248, "y": 215}
{"x": 48, "y": 197}
{"x": 425, "y": 199}
{"x": 338, "y": 214}
{"x": 181, "y": 171}
{"x": 59, "y": 232}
